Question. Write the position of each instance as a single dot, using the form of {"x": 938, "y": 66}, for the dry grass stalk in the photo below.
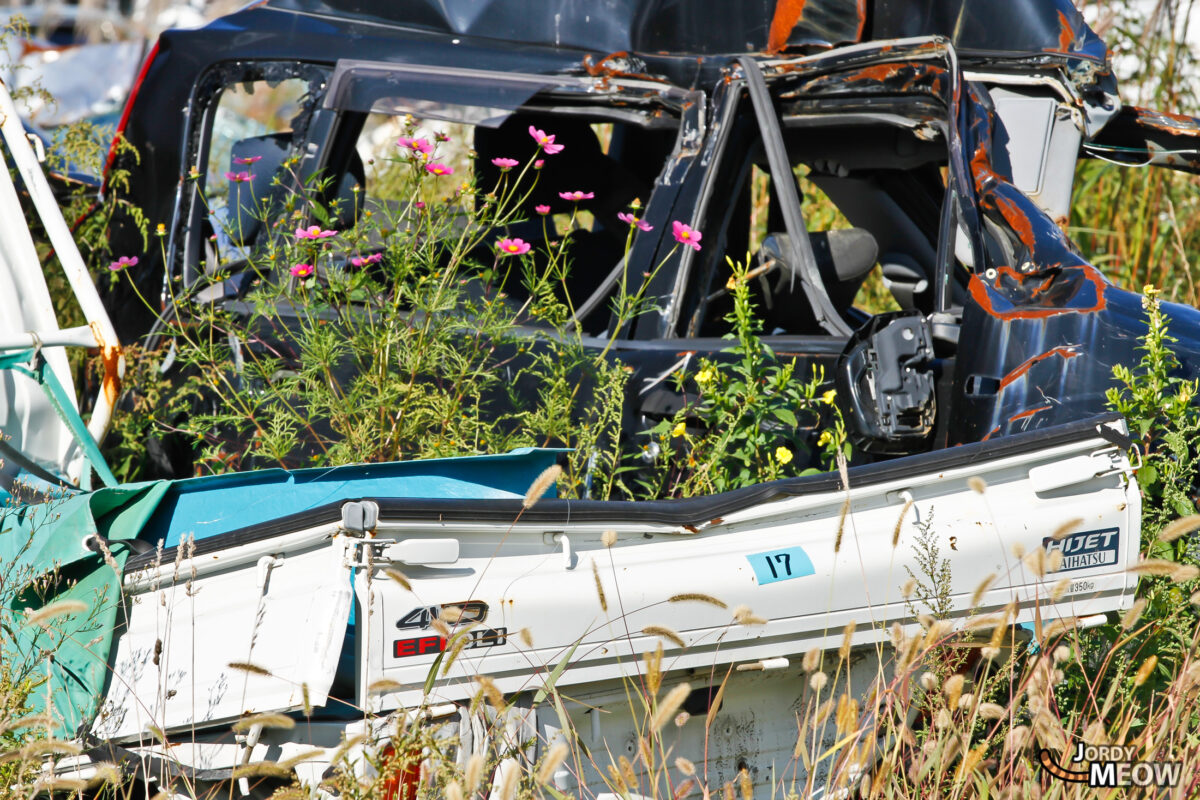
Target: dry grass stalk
{"x": 280, "y": 721}
{"x": 1062, "y": 530}
{"x": 697, "y": 597}
{"x": 669, "y": 705}
{"x": 599, "y": 587}
{"x": 900, "y": 524}
{"x": 399, "y": 577}
{"x": 1180, "y": 527}
{"x": 541, "y": 484}
{"x": 744, "y": 616}
{"x": 253, "y": 669}
{"x": 551, "y": 762}
{"x": 261, "y": 769}
{"x": 54, "y": 610}
{"x": 664, "y": 632}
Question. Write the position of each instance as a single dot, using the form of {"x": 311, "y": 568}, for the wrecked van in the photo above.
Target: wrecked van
{"x": 945, "y": 132}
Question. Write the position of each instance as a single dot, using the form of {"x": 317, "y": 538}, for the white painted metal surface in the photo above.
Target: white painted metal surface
{"x": 528, "y": 592}
{"x": 27, "y": 318}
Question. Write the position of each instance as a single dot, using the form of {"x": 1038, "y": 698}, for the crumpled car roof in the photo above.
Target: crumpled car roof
{"x": 711, "y": 27}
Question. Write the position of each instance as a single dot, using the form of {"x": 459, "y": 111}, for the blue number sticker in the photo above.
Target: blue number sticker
{"x": 780, "y": 565}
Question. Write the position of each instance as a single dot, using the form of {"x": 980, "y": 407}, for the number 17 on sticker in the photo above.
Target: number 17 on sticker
{"x": 780, "y": 565}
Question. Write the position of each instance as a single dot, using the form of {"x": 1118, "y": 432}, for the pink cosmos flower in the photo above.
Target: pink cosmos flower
{"x": 543, "y": 210}
{"x": 419, "y": 204}
{"x": 421, "y": 146}
{"x": 576, "y": 196}
{"x": 630, "y": 219}
{"x": 539, "y": 163}
{"x": 686, "y": 235}
{"x": 439, "y": 169}
{"x": 505, "y": 164}
{"x": 248, "y": 160}
{"x": 123, "y": 262}
{"x": 302, "y": 270}
{"x": 513, "y": 247}
{"x": 545, "y": 142}
{"x": 361, "y": 261}
{"x": 314, "y": 232}
{"x": 442, "y": 137}
{"x": 239, "y": 177}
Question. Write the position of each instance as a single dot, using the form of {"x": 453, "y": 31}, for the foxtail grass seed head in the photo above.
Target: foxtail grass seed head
{"x": 847, "y": 640}
{"x": 253, "y": 669}
{"x": 1065, "y": 528}
{"x": 929, "y": 681}
{"x": 989, "y": 652}
{"x": 280, "y": 721}
{"x": 847, "y": 714}
{"x": 1130, "y": 617}
{"x": 745, "y": 784}
{"x": 551, "y": 762}
{"x": 1061, "y": 653}
{"x": 1185, "y": 572}
{"x": 1018, "y": 550}
{"x": 441, "y": 628}
{"x": 682, "y": 718}
{"x": 608, "y": 538}
{"x": 1154, "y": 566}
{"x": 599, "y": 587}
{"x": 488, "y": 688}
{"x": 897, "y": 634}
{"x": 1036, "y": 562}
{"x": 685, "y": 767}
{"x": 508, "y": 782}
{"x": 454, "y": 791}
{"x": 1059, "y": 589}
{"x": 384, "y": 685}
{"x": 696, "y": 597}
{"x": 908, "y": 588}
{"x": 981, "y": 590}
{"x": 727, "y": 791}
{"x": 669, "y": 705}
{"x": 953, "y": 689}
{"x": 812, "y": 660}
{"x": 992, "y": 711}
{"x": 54, "y": 610}
{"x": 1058, "y": 627}
{"x": 1143, "y": 673}
{"x": 541, "y": 484}
{"x": 664, "y": 632}
{"x": 1054, "y": 561}
{"x": 1180, "y": 527}
{"x": 965, "y": 701}
{"x": 977, "y": 484}
{"x": 399, "y": 577}
{"x": 900, "y": 524}
{"x": 654, "y": 669}
{"x": 526, "y": 638}
{"x": 818, "y": 680}
{"x": 942, "y": 719}
{"x": 1195, "y": 599}
{"x": 841, "y": 526}
{"x": 744, "y": 616}
{"x": 473, "y": 772}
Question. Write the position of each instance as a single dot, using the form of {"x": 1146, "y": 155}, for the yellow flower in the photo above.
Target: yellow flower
{"x": 827, "y": 397}
{"x": 825, "y": 438}
{"x": 783, "y": 455}
{"x": 678, "y": 430}
{"x": 160, "y": 230}
{"x": 704, "y": 376}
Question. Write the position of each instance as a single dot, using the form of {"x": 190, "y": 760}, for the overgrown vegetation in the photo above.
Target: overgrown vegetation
{"x": 408, "y": 356}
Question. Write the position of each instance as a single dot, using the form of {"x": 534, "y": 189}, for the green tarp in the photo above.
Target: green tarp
{"x": 43, "y": 560}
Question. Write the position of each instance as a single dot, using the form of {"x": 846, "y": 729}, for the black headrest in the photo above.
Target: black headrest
{"x": 844, "y": 255}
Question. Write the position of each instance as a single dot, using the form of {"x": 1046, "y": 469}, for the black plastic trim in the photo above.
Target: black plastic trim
{"x": 692, "y": 512}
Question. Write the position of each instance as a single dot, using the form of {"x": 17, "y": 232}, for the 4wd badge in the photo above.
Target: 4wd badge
{"x": 1086, "y": 549}
{"x": 464, "y": 613}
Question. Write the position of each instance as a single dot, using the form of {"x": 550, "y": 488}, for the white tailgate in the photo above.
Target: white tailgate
{"x": 284, "y": 611}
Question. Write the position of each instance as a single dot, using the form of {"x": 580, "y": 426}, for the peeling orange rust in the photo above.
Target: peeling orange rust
{"x": 1066, "y": 352}
{"x": 1066, "y": 33}
{"x": 111, "y": 356}
{"x": 1163, "y": 121}
{"x": 862, "y": 20}
{"x": 1017, "y": 220}
{"x": 992, "y": 433}
{"x": 1029, "y": 413}
{"x": 600, "y": 69}
{"x": 979, "y": 290}
{"x": 787, "y": 14}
